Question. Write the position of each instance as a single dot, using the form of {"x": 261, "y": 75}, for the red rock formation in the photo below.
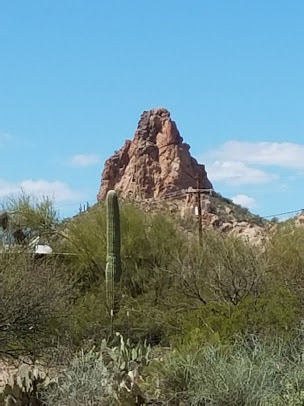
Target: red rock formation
{"x": 155, "y": 163}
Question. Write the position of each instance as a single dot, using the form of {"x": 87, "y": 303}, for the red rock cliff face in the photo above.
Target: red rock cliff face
{"x": 155, "y": 163}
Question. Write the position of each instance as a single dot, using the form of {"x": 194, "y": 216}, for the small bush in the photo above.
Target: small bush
{"x": 28, "y": 217}
{"x": 88, "y": 320}
{"x": 285, "y": 258}
{"x": 107, "y": 377}
{"x": 86, "y": 382}
{"x": 248, "y": 373}
{"x": 34, "y": 297}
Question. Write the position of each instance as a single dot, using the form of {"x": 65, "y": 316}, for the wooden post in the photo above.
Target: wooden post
{"x": 198, "y": 192}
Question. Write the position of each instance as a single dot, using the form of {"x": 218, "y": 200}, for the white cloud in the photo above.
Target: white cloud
{"x": 237, "y": 162}
{"x": 83, "y": 160}
{"x": 284, "y": 154}
{"x": 237, "y": 172}
{"x": 57, "y": 190}
{"x": 245, "y": 201}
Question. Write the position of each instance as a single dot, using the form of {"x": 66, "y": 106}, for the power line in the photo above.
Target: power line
{"x": 283, "y": 214}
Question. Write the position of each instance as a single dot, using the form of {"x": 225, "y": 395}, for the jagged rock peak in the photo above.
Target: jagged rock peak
{"x": 156, "y": 163}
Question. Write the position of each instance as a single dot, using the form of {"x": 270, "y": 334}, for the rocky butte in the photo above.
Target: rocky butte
{"x": 156, "y": 170}
{"x": 155, "y": 164}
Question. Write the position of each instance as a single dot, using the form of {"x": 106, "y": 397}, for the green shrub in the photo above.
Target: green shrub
{"x": 84, "y": 237}
{"x": 173, "y": 289}
{"x": 146, "y": 242}
{"x": 137, "y": 318}
{"x": 34, "y": 296}
{"x": 107, "y": 376}
{"x": 247, "y": 373}
{"x": 224, "y": 268}
{"x": 24, "y": 386}
{"x": 28, "y": 217}
{"x": 277, "y": 311}
{"x": 284, "y": 256}
{"x": 88, "y": 319}
{"x": 86, "y": 382}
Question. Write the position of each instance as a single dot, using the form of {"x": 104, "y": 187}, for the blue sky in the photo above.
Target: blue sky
{"x": 75, "y": 76}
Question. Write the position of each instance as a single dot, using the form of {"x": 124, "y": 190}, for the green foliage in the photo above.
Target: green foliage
{"x": 275, "y": 220}
{"x": 247, "y": 373}
{"x": 275, "y": 312}
{"x": 34, "y": 296}
{"x": 173, "y": 292}
{"x": 141, "y": 318}
{"x": 84, "y": 238}
{"x": 223, "y": 268}
{"x": 148, "y": 242}
{"x": 219, "y": 288}
{"x": 30, "y": 217}
{"x": 106, "y": 376}
{"x": 285, "y": 258}
{"x": 86, "y": 381}
{"x": 240, "y": 213}
{"x": 89, "y": 319}
{"x": 23, "y": 388}
{"x": 137, "y": 318}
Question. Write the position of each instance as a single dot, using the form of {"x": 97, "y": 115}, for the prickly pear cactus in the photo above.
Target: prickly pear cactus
{"x": 113, "y": 267}
{"x": 127, "y": 361}
{"x": 126, "y": 356}
{"x": 22, "y": 388}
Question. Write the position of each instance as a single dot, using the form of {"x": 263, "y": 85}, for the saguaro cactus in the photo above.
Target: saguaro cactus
{"x": 113, "y": 267}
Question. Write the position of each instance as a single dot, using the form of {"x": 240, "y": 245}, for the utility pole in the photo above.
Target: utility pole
{"x": 199, "y": 208}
